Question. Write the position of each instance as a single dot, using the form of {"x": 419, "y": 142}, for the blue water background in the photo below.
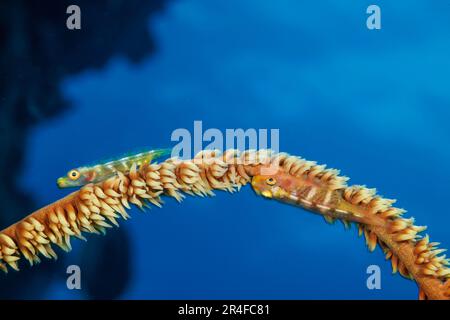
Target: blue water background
{"x": 374, "y": 104}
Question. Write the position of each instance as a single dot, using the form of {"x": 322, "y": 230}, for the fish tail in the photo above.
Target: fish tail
{"x": 156, "y": 154}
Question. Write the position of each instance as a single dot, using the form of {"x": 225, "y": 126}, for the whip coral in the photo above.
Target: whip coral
{"x": 96, "y": 207}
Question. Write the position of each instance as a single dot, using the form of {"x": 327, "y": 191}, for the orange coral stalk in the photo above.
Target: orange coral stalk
{"x": 323, "y": 191}
{"x": 96, "y": 206}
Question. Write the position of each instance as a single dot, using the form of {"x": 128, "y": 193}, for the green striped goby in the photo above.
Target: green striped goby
{"x": 99, "y": 172}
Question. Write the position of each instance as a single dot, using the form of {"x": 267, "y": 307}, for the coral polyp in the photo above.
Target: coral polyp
{"x": 289, "y": 179}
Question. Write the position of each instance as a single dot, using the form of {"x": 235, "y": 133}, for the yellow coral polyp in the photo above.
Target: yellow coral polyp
{"x": 96, "y": 207}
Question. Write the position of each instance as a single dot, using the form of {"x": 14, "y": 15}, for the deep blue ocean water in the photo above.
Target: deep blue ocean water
{"x": 374, "y": 104}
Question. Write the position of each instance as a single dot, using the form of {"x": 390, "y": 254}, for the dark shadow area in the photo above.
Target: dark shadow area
{"x": 37, "y": 52}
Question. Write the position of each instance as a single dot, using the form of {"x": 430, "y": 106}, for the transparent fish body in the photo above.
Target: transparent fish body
{"x": 101, "y": 171}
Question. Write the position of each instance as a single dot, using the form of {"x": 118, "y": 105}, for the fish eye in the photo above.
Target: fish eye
{"x": 271, "y": 181}
{"x": 73, "y": 175}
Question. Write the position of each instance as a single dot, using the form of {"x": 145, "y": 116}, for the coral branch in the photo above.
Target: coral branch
{"x": 403, "y": 257}
{"x": 412, "y": 255}
{"x": 96, "y": 207}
